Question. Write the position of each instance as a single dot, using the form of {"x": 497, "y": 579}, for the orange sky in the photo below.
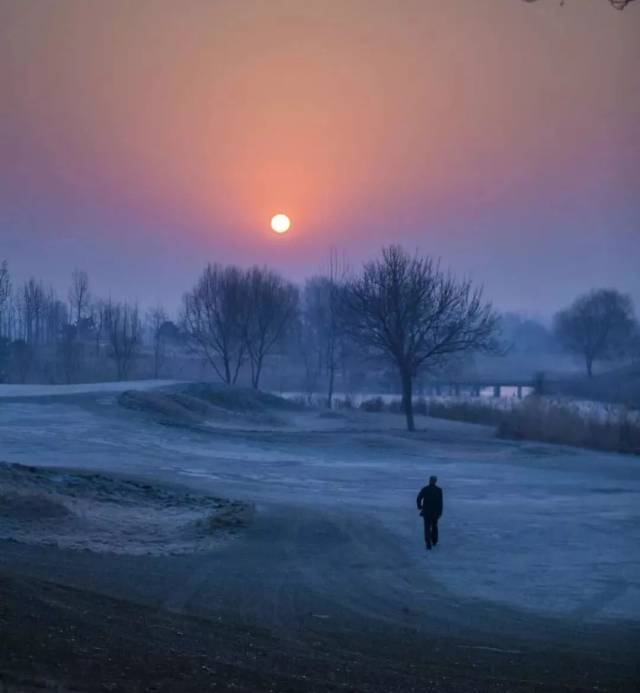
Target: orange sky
{"x": 162, "y": 134}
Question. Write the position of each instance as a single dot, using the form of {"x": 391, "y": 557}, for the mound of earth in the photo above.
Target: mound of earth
{"x": 239, "y": 398}
{"x": 199, "y": 404}
{"x": 29, "y": 507}
{"x": 85, "y": 511}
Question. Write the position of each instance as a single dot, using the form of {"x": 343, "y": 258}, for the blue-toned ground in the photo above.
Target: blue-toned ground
{"x": 540, "y": 544}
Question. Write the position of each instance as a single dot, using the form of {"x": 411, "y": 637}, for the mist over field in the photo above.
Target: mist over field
{"x": 319, "y": 346}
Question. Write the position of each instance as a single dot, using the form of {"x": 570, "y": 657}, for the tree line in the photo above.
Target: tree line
{"x": 47, "y": 339}
{"x": 400, "y": 311}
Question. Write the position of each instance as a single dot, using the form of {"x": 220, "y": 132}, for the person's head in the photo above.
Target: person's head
{"x": 433, "y": 480}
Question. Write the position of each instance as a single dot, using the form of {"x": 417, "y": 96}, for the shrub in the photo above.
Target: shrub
{"x": 420, "y": 406}
{"x": 346, "y": 403}
{"x": 470, "y": 412}
{"x": 395, "y": 406}
{"x": 552, "y": 422}
{"x": 374, "y": 404}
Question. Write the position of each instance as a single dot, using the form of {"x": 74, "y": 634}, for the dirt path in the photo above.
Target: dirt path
{"x": 62, "y": 639}
{"x": 282, "y": 608}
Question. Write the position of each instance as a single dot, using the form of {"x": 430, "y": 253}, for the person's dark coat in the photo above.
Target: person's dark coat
{"x": 430, "y": 502}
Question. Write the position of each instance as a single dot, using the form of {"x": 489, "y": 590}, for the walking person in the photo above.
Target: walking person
{"x": 430, "y": 506}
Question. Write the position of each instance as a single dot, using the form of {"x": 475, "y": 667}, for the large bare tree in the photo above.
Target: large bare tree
{"x": 599, "y": 325}
{"x": 214, "y": 319}
{"x": 271, "y": 305}
{"x": 408, "y": 310}
{"x": 124, "y": 332}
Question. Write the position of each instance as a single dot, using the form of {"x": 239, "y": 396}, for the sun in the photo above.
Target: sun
{"x": 280, "y": 223}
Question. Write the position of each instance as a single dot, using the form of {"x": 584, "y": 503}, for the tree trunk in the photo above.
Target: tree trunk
{"x": 257, "y": 372}
{"x": 227, "y": 370}
{"x": 407, "y": 399}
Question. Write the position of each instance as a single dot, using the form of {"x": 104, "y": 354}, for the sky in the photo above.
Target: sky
{"x": 141, "y": 140}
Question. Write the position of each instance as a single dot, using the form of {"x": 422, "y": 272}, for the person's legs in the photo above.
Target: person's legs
{"x": 434, "y": 532}
{"x": 427, "y": 532}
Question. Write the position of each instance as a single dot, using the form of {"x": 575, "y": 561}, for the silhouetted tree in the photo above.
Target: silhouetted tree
{"x": 408, "y": 310}
{"x": 156, "y": 318}
{"x": 32, "y": 310}
{"x": 308, "y": 338}
{"x": 314, "y": 330}
{"x": 333, "y": 332}
{"x": 599, "y": 325}
{"x": 124, "y": 331}
{"x": 322, "y": 332}
{"x": 5, "y": 296}
{"x": 321, "y": 338}
{"x": 270, "y": 308}
{"x": 98, "y": 315}
{"x": 214, "y": 319}
{"x": 56, "y": 316}
{"x": 79, "y": 296}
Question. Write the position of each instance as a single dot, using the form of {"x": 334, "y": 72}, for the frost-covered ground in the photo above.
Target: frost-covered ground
{"x": 94, "y": 512}
{"x": 535, "y": 528}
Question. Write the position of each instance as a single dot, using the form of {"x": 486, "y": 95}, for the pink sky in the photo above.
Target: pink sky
{"x": 139, "y": 140}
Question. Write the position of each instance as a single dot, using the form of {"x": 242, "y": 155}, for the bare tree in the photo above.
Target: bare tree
{"x": 55, "y": 317}
{"x": 407, "y": 310}
{"x": 214, "y": 319}
{"x": 124, "y": 332}
{"x": 598, "y": 325}
{"x": 322, "y": 338}
{"x": 5, "y": 298}
{"x": 5, "y": 295}
{"x": 156, "y": 318}
{"x": 97, "y": 317}
{"x": 31, "y": 308}
{"x": 41, "y": 314}
{"x": 271, "y": 306}
{"x": 333, "y": 332}
{"x": 307, "y": 339}
{"x": 322, "y": 330}
{"x": 79, "y": 296}
{"x": 311, "y": 331}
